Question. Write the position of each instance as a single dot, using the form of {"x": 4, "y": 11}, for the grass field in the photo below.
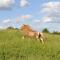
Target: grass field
{"x": 13, "y": 47}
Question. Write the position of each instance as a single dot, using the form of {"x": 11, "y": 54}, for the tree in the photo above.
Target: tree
{"x": 16, "y": 28}
{"x": 45, "y": 30}
{"x": 55, "y": 32}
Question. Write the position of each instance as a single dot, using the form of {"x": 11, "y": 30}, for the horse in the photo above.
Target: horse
{"x": 32, "y": 33}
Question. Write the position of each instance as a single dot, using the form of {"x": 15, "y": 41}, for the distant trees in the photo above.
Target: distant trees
{"x": 45, "y": 30}
{"x": 12, "y": 28}
{"x": 55, "y": 32}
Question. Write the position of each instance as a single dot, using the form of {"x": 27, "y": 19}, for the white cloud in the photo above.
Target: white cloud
{"x": 17, "y": 20}
{"x": 5, "y": 4}
{"x": 51, "y": 6}
{"x": 24, "y": 3}
{"x": 52, "y": 11}
{"x": 37, "y": 21}
{"x": 1, "y": 27}
{"x": 7, "y": 21}
{"x": 47, "y": 19}
{"x": 26, "y": 16}
{"x": 43, "y": 20}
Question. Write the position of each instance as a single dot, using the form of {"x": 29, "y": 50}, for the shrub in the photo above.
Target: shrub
{"x": 45, "y": 30}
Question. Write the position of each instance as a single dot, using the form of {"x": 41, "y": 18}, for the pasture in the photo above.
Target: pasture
{"x": 13, "y": 47}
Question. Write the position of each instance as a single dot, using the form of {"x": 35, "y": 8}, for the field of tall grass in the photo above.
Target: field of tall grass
{"x": 13, "y": 47}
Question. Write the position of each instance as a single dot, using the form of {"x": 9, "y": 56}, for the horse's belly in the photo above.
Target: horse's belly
{"x": 31, "y": 34}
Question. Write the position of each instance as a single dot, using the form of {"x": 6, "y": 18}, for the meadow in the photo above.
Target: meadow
{"x": 13, "y": 47}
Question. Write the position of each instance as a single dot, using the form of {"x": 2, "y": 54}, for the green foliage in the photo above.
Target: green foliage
{"x": 13, "y": 47}
{"x": 55, "y": 32}
{"x": 10, "y": 27}
{"x": 45, "y": 30}
{"x": 16, "y": 29}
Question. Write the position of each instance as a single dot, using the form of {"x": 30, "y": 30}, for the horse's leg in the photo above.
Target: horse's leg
{"x": 23, "y": 37}
{"x": 36, "y": 38}
{"x": 42, "y": 40}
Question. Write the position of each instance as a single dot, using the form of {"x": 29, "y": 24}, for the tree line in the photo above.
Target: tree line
{"x": 45, "y": 30}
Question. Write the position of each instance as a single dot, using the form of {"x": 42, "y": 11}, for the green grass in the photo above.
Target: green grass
{"x": 13, "y": 47}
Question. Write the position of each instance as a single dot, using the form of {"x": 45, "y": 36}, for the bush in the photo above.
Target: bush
{"x": 55, "y": 32}
{"x": 10, "y": 28}
{"x": 45, "y": 30}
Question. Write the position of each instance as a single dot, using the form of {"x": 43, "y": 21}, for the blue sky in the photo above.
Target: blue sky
{"x": 39, "y": 14}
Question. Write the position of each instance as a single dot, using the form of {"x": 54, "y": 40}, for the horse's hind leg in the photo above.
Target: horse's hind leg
{"x": 42, "y": 40}
{"x": 23, "y": 37}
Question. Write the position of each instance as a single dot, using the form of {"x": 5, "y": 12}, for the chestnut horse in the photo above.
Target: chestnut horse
{"x": 28, "y": 31}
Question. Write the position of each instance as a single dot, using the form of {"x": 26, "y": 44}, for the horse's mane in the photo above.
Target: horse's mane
{"x": 27, "y": 28}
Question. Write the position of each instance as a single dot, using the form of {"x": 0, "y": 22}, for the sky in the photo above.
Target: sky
{"x": 39, "y": 14}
